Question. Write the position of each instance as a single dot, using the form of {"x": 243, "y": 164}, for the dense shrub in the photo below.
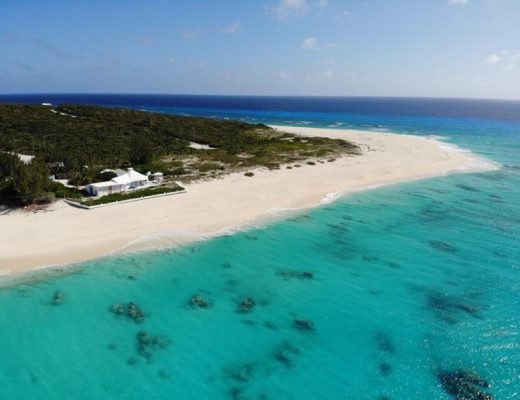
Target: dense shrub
{"x": 27, "y": 182}
{"x": 176, "y": 172}
{"x": 62, "y": 192}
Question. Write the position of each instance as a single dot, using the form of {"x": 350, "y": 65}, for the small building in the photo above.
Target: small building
{"x": 157, "y": 177}
{"x": 129, "y": 181}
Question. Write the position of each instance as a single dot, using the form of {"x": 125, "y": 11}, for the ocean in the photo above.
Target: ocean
{"x": 378, "y": 295}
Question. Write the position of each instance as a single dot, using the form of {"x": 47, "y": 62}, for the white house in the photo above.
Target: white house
{"x": 122, "y": 183}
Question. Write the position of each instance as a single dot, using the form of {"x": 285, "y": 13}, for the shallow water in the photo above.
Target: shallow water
{"x": 405, "y": 281}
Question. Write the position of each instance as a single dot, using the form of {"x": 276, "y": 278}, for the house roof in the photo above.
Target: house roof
{"x": 129, "y": 177}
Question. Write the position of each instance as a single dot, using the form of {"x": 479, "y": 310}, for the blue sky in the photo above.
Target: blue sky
{"x": 448, "y": 48}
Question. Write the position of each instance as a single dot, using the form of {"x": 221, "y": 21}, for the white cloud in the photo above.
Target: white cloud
{"x": 285, "y": 76}
{"x": 505, "y": 59}
{"x": 458, "y": 2}
{"x": 322, "y": 3}
{"x": 328, "y": 75}
{"x": 342, "y": 15}
{"x": 198, "y": 64}
{"x": 287, "y": 9}
{"x": 326, "y": 62}
{"x": 310, "y": 43}
{"x": 235, "y": 27}
{"x": 512, "y": 63}
{"x": 492, "y": 59}
{"x": 330, "y": 45}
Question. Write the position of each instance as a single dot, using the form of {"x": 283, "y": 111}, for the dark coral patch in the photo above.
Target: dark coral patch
{"x": 446, "y": 307}
{"x": 246, "y": 305}
{"x": 385, "y": 369}
{"x": 305, "y": 325}
{"x": 285, "y": 354}
{"x": 58, "y": 298}
{"x": 464, "y": 385}
{"x": 290, "y": 274}
{"x": 130, "y": 310}
{"x": 384, "y": 343}
{"x": 443, "y": 246}
{"x": 242, "y": 373}
{"x": 146, "y": 343}
{"x": 200, "y": 302}
{"x": 467, "y": 188}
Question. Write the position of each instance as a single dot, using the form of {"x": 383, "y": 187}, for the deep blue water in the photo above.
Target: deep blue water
{"x": 408, "y": 281}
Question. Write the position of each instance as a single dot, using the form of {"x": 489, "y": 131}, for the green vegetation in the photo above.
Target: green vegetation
{"x": 91, "y": 135}
{"x": 23, "y": 183}
{"x": 137, "y": 194}
{"x": 77, "y": 142}
{"x": 249, "y": 174}
{"x": 141, "y": 150}
{"x": 63, "y": 192}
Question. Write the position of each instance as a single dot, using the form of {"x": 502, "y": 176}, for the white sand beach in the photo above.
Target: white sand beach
{"x": 63, "y": 234}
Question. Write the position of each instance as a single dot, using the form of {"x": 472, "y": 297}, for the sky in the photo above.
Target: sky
{"x": 426, "y": 48}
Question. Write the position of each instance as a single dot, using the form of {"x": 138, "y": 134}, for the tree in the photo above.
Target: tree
{"x": 141, "y": 151}
{"x": 7, "y": 163}
{"x": 30, "y": 181}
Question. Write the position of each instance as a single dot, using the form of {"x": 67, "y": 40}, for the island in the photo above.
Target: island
{"x": 235, "y": 175}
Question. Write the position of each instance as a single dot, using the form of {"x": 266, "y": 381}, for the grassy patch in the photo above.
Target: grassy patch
{"x": 112, "y": 198}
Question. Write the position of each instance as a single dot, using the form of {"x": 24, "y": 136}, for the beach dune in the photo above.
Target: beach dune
{"x": 64, "y": 235}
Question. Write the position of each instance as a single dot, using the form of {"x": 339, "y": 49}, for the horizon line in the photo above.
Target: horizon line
{"x": 260, "y": 95}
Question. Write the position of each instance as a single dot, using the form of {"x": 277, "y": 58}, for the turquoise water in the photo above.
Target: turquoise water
{"x": 407, "y": 281}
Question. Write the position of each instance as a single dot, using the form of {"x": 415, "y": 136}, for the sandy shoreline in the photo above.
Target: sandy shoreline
{"x": 66, "y": 235}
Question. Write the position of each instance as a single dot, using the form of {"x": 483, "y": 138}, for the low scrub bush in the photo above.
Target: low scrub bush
{"x": 112, "y": 198}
